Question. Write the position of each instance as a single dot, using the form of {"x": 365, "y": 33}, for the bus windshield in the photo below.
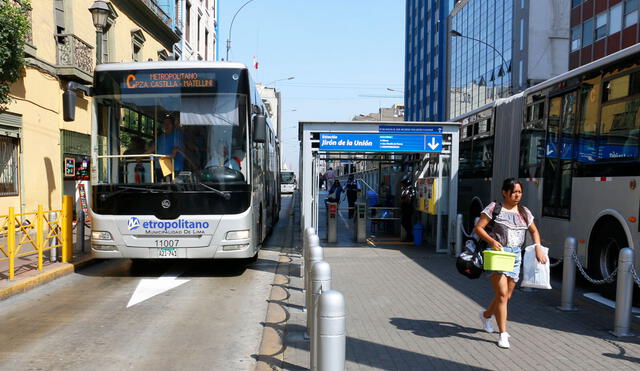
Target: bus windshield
{"x": 180, "y": 136}
{"x": 287, "y": 177}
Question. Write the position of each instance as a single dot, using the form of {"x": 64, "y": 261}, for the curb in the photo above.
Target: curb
{"x": 48, "y": 274}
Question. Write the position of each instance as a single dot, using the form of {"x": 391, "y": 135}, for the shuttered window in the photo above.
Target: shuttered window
{"x": 8, "y": 165}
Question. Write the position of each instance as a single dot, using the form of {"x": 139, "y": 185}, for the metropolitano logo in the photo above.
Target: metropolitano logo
{"x": 133, "y": 223}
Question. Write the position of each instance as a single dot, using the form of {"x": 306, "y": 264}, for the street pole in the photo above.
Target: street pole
{"x": 98, "y": 45}
{"x": 231, "y": 27}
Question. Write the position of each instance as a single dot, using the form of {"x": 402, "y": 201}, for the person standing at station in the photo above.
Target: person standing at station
{"x": 329, "y": 177}
{"x": 334, "y": 193}
{"x": 352, "y": 194}
{"x": 508, "y": 234}
{"x": 407, "y": 198}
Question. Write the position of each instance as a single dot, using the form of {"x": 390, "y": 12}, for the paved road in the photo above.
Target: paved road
{"x": 210, "y": 320}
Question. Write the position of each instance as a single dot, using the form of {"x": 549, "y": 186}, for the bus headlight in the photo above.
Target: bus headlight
{"x": 238, "y": 235}
{"x": 102, "y": 236}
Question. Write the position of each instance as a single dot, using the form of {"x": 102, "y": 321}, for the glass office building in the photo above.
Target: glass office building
{"x": 478, "y": 73}
{"x": 425, "y": 59}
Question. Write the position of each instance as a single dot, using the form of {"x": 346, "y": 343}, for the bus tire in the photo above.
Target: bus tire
{"x": 607, "y": 238}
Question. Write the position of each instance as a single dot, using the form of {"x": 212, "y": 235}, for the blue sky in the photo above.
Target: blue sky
{"x": 338, "y": 51}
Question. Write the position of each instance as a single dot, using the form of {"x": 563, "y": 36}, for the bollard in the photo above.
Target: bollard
{"x": 320, "y": 282}
{"x": 314, "y": 240}
{"x": 568, "y": 276}
{"x": 81, "y": 222}
{"x": 315, "y": 254}
{"x": 310, "y": 231}
{"x": 624, "y": 294}
{"x": 331, "y": 331}
{"x": 53, "y": 255}
{"x": 332, "y": 222}
{"x": 458, "y": 234}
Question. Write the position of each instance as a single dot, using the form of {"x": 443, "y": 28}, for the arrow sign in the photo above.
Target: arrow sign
{"x": 150, "y": 287}
{"x": 433, "y": 144}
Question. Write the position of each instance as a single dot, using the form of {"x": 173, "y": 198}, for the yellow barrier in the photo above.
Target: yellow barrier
{"x": 19, "y": 235}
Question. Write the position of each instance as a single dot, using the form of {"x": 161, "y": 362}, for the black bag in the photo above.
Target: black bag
{"x": 469, "y": 263}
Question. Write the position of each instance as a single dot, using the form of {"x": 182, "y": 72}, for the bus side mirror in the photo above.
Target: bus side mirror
{"x": 69, "y": 105}
{"x": 260, "y": 128}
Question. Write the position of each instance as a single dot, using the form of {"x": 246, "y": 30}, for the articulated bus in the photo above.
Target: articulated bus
{"x": 573, "y": 141}
{"x": 288, "y": 183}
{"x": 184, "y": 162}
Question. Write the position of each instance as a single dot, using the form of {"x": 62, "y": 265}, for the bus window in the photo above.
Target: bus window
{"x": 619, "y": 131}
{"x": 532, "y": 142}
{"x": 588, "y": 120}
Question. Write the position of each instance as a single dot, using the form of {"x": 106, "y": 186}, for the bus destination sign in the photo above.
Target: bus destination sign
{"x": 164, "y": 80}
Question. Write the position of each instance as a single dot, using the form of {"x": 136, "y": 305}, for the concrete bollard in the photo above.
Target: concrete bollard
{"x": 568, "y": 276}
{"x": 458, "y": 234}
{"x": 320, "y": 282}
{"x": 53, "y": 253}
{"x": 315, "y": 254}
{"x": 331, "y": 331}
{"x": 624, "y": 294}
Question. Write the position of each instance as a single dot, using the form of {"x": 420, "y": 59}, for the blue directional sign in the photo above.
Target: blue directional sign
{"x": 380, "y": 142}
{"x": 410, "y": 129}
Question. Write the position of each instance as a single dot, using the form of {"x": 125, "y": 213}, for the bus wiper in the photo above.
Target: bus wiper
{"x": 121, "y": 189}
{"x": 225, "y": 194}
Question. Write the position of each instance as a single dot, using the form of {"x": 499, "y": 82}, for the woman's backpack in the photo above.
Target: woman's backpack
{"x": 469, "y": 263}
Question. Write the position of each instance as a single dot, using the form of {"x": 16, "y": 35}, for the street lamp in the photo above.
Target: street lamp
{"x": 100, "y": 13}
{"x": 286, "y": 78}
{"x": 396, "y": 90}
{"x": 455, "y": 33}
{"x": 231, "y": 26}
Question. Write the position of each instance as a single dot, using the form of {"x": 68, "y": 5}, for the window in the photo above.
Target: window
{"x": 59, "y": 16}
{"x": 587, "y": 32}
{"x": 198, "y": 40}
{"x": 575, "y": 3}
{"x": 206, "y": 45}
{"x": 615, "y": 19}
{"x": 137, "y": 41}
{"x": 188, "y": 22}
{"x": 601, "y": 25}
{"x": 630, "y": 12}
{"x": 532, "y": 142}
{"x": 8, "y": 166}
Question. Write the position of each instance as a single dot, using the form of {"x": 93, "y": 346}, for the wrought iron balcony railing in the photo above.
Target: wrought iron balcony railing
{"x": 155, "y": 8}
{"x": 74, "y": 57}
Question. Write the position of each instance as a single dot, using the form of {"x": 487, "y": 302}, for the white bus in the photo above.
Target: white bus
{"x": 184, "y": 162}
{"x": 288, "y": 182}
{"x": 573, "y": 141}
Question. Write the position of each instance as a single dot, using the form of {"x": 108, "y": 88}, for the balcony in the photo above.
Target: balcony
{"x": 155, "y": 8}
{"x": 74, "y": 58}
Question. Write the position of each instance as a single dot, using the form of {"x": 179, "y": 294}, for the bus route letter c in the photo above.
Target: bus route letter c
{"x": 131, "y": 78}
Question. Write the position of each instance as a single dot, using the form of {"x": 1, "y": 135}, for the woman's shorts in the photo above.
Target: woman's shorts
{"x": 516, "y": 266}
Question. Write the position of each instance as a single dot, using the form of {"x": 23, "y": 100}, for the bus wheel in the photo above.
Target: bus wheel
{"x": 604, "y": 248}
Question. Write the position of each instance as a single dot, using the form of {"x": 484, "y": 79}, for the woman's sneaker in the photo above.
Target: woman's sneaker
{"x": 503, "y": 341}
{"x": 486, "y": 322}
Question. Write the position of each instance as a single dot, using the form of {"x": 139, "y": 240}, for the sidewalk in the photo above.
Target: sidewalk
{"x": 409, "y": 309}
{"x": 27, "y": 275}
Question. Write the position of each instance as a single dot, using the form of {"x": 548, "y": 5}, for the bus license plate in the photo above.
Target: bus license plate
{"x": 167, "y": 253}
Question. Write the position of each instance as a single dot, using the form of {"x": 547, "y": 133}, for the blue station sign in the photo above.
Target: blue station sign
{"x": 410, "y": 129}
{"x": 380, "y": 142}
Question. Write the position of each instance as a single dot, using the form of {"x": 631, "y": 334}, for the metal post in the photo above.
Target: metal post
{"x": 53, "y": 255}
{"x": 40, "y": 235}
{"x": 320, "y": 282}
{"x": 360, "y": 221}
{"x": 99, "y": 45}
{"x": 67, "y": 228}
{"x": 313, "y": 240}
{"x": 332, "y": 331}
{"x": 11, "y": 241}
{"x": 568, "y": 276}
{"x": 310, "y": 231}
{"x": 624, "y": 294}
{"x": 458, "y": 234}
{"x": 80, "y": 234}
{"x": 332, "y": 222}
{"x": 315, "y": 255}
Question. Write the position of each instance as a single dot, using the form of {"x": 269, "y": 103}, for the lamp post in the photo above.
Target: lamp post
{"x": 231, "y": 26}
{"x": 286, "y": 78}
{"x": 100, "y": 13}
{"x": 455, "y": 33}
{"x": 396, "y": 90}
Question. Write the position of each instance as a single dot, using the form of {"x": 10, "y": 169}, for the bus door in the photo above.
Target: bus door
{"x": 558, "y": 166}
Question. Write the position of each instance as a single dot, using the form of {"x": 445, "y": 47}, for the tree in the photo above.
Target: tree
{"x": 14, "y": 27}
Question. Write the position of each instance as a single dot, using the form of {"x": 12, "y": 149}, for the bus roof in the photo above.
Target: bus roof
{"x": 167, "y": 65}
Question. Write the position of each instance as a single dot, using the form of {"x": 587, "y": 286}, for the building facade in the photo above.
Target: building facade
{"x": 498, "y": 48}
{"x": 602, "y": 27}
{"x": 43, "y": 157}
{"x": 425, "y": 59}
{"x": 196, "y": 21}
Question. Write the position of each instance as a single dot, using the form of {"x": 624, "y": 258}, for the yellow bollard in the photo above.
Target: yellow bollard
{"x": 11, "y": 241}
{"x": 67, "y": 228}
{"x": 39, "y": 235}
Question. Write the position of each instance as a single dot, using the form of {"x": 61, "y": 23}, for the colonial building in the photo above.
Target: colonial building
{"x": 196, "y": 22}
{"x": 43, "y": 157}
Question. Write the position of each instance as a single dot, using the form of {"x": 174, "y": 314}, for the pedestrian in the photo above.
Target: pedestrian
{"x": 321, "y": 181}
{"x": 329, "y": 176}
{"x": 334, "y": 193}
{"x": 508, "y": 234}
{"x": 352, "y": 194}
{"x": 407, "y": 198}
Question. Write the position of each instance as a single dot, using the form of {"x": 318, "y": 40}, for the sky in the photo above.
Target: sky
{"x": 344, "y": 54}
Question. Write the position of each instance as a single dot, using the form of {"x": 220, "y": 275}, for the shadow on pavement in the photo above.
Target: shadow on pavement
{"x": 436, "y": 329}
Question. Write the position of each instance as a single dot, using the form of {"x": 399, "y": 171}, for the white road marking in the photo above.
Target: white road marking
{"x": 150, "y": 287}
{"x": 610, "y": 303}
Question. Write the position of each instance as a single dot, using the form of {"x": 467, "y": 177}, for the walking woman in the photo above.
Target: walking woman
{"x": 508, "y": 234}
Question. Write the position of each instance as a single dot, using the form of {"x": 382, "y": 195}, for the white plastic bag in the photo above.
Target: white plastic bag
{"x": 535, "y": 274}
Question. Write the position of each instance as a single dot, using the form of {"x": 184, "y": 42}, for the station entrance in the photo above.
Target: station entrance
{"x": 390, "y": 162}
